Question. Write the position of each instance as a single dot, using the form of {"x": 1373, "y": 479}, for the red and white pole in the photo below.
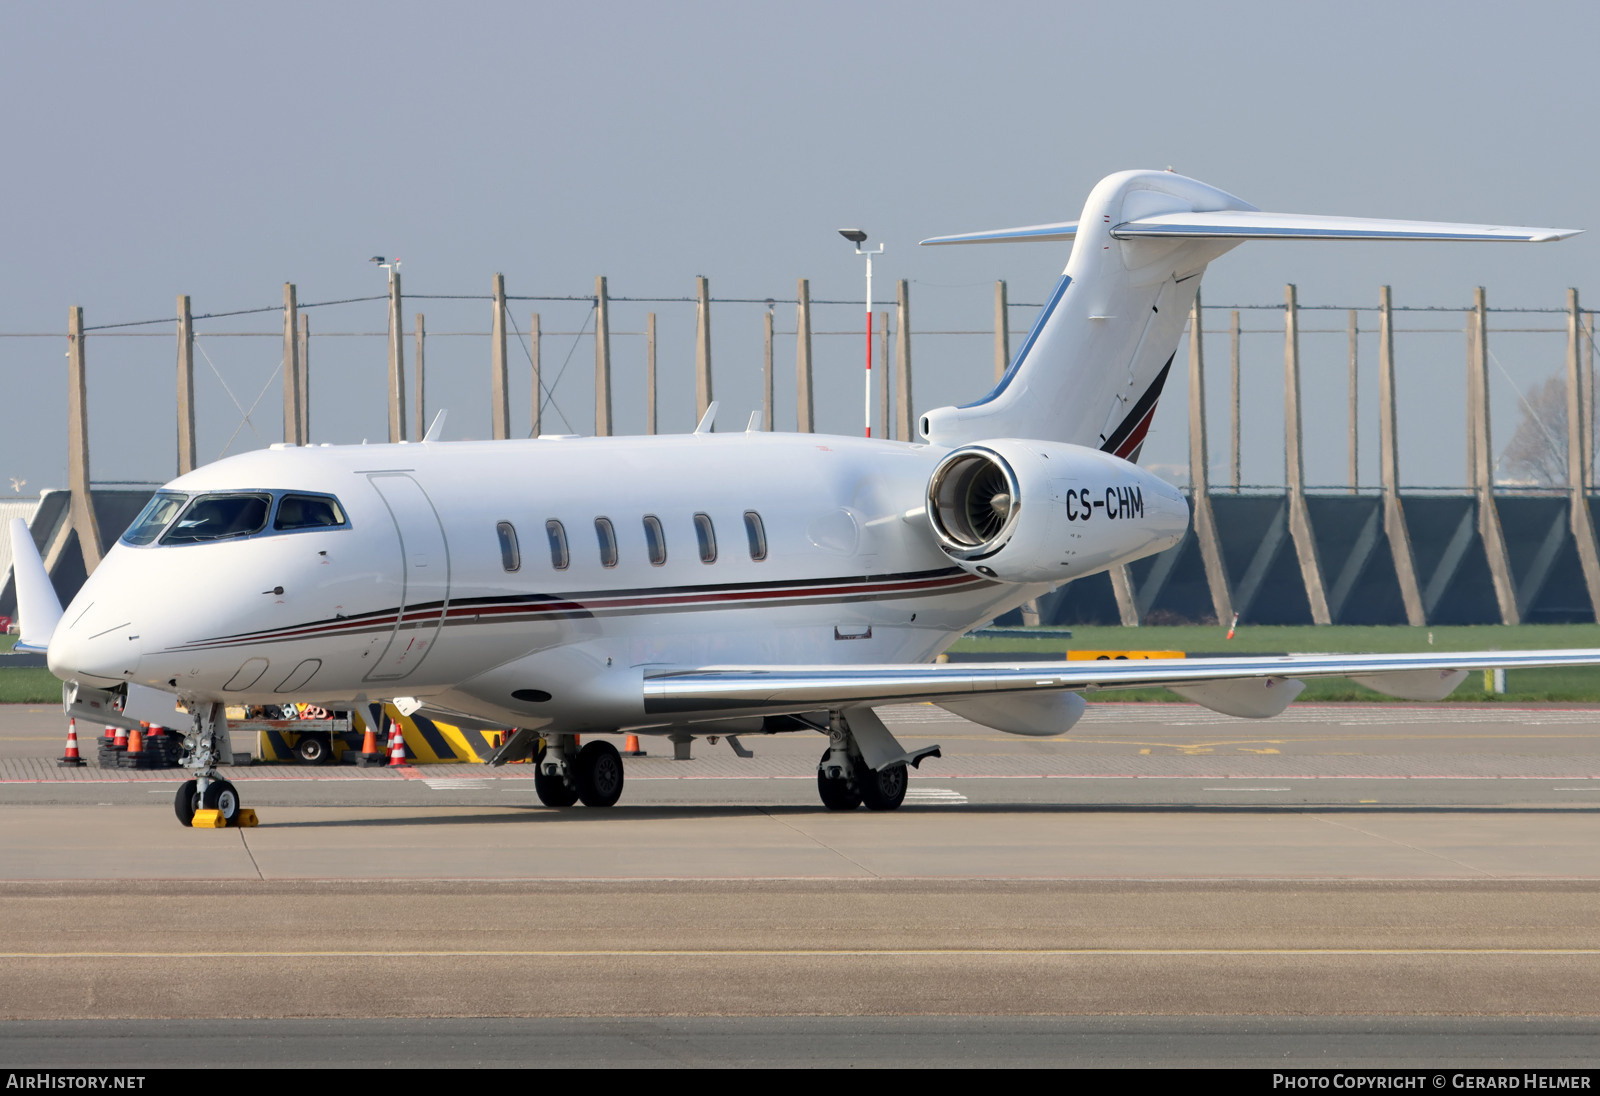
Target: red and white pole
{"x": 868, "y": 405}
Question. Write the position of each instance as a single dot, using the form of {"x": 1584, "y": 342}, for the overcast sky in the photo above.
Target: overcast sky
{"x": 220, "y": 150}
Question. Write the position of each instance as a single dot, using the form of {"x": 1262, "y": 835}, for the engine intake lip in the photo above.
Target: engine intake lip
{"x": 967, "y": 519}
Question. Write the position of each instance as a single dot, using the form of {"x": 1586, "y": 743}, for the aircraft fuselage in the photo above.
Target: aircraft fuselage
{"x": 531, "y": 582}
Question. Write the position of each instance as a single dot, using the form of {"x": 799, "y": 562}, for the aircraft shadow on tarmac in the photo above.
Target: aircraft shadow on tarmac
{"x": 531, "y": 815}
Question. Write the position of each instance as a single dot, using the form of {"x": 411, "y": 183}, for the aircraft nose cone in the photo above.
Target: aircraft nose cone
{"x": 94, "y": 653}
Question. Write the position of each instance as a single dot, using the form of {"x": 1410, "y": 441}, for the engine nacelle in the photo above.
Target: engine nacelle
{"x": 1032, "y": 511}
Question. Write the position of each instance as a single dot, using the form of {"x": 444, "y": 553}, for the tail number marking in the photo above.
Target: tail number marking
{"x": 1119, "y": 503}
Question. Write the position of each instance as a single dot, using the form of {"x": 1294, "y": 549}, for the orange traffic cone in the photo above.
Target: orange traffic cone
{"x": 630, "y": 748}
{"x": 71, "y": 759}
{"x": 370, "y": 754}
{"x": 120, "y": 740}
{"x": 397, "y": 746}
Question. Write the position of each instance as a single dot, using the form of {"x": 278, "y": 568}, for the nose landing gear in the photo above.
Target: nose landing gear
{"x": 205, "y": 746}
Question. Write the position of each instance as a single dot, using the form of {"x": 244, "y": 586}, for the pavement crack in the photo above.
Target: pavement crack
{"x": 244, "y": 843}
{"x": 820, "y": 843}
{"x": 1406, "y": 845}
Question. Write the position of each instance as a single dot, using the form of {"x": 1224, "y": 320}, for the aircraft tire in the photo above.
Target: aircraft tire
{"x": 183, "y": 803}
{"x": 836, "y": 795}
{"x": 553, "y": 791}
{"x": 221, "y": 796}
{"x": 599, "y": 774}
{"x": 883, "y": 789}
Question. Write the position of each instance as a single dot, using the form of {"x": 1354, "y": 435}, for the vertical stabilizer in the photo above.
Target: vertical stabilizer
{"x": 1092, "y": 367}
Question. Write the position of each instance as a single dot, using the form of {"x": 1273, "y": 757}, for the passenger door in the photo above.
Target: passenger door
{"x": 424, "y": 573}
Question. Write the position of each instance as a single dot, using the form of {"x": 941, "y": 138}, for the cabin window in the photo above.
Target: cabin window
{"x": 655, "y": 539}
{"x": 756, "y": 534}
{"x": 510, "y": 556}
{"x": 607, "y": 536}
{"x": 707, "y": 536}
{"x": 558, "y": 544}
{"x": 156, "y": 516}
{"x": 308, "y": 512}
{"x": 220, "y": 517}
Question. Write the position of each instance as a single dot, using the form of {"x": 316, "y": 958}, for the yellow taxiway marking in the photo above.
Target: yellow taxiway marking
{"x": 714, "y": 953}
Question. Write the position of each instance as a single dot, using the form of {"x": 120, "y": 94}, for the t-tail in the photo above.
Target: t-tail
{"x": 1093, "y": 365}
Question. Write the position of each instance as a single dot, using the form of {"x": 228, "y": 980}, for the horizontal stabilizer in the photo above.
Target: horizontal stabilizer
{"x": 1066, "y": 230}
{"x": 1249, "y": 224}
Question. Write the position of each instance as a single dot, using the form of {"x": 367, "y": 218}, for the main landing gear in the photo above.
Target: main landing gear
{"x": 593, "y": 776}
{"x": 845, "y": 788}
{"x": 845, "y": 779}
{"x": 205, "y": 747}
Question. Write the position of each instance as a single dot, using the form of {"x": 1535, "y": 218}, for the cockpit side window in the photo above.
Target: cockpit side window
{"x": 156, "y": 516}
{"x": 220, "y": 517}
{"x": 308, "y": 512}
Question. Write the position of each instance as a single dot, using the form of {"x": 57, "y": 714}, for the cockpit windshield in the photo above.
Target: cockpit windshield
{"x": 155, "y": 517}
{"x": 308, "y": 512}
{"x": 174, "y": 518}
{"x": 219, "y": 517}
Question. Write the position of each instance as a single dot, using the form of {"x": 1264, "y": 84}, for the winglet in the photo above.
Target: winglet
{"x": 37, "y": 606}
{"x": 436, "y": 427}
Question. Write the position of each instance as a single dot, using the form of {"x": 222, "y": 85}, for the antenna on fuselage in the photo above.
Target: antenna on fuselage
{"x": 436, "y": 427}
{"x": 707, "y": 419}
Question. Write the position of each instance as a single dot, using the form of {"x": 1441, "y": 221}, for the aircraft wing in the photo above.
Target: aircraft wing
{"x": 1232, "y": 685}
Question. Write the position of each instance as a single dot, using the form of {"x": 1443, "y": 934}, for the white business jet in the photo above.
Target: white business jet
{"x": 706, "y": 584}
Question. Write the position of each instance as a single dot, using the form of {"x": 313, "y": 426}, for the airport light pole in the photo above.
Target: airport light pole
{"x": 858, "y": 237}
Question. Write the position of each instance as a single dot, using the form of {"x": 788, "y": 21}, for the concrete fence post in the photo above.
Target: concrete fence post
{"x": 291, "y": 367}
{"x": 420, "y": 423}
{"x": 702, "y": 347}
{"x": 1233, "y": 395}
{"x": 397, "y": 362}
{"x": 187, "y": 450}
{"x": 602, "y": 359}
{"x": 905, "y": 423}
{"x": 766, "y": 369}
{"x": 885, "y": 364}
{"x": 499, "y": 381}
{"x": 650, "y": 420}
{"x": 1300, "y": 530}
{"x": 1205, "y": 522}
{"x": 1355, "y": 417}
{"x": 84, "y": 522}
{"x": 1577, "y": 486}
{"x": 1489, "y": 529}
{"x": 1394, "y": 515}
{"x": 805, "y": 412}
{"x": 535, "y": 336}
{"x": 305, "y": 379}
{"x": 1002, "y": 331}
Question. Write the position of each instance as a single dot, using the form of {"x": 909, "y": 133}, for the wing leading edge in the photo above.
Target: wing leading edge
{"x": 779, "y": 689}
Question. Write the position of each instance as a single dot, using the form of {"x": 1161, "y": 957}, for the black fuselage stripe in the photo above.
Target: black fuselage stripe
{"x": 1140, "y": 409}
{"x": 614, "y": 603}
